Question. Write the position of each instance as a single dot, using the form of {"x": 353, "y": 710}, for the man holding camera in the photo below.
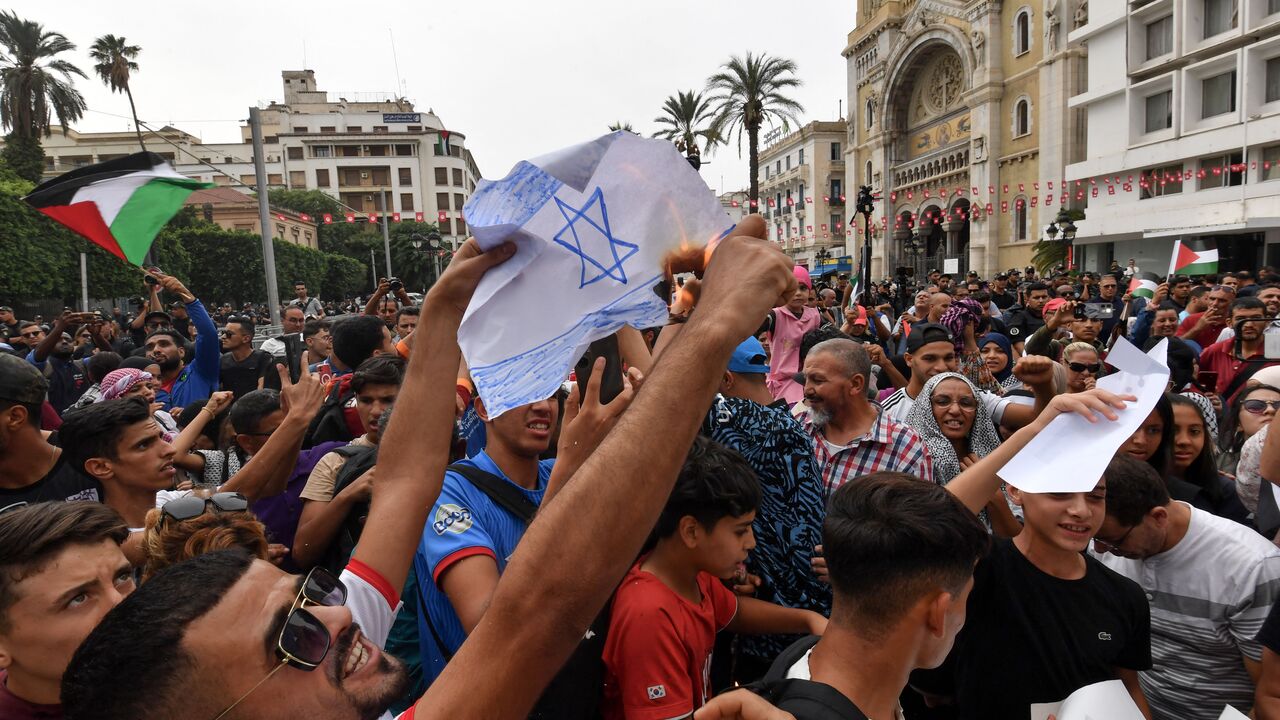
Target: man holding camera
{"x": 1081, "y": 319}
{"x": 382, "y": 303}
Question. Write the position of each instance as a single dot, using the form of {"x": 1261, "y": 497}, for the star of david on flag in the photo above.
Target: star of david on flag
{"x": 592, "y": 231}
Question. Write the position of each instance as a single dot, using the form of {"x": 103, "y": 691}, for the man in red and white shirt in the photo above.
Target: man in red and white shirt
{"x": 852, "y": 437}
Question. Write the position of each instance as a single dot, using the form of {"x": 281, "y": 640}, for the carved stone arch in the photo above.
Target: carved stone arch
{"x": 906, "y": 61}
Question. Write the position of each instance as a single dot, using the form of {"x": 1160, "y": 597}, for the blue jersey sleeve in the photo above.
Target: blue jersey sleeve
{"x": 455, "y": 529}
{"x": 208, "y": 344}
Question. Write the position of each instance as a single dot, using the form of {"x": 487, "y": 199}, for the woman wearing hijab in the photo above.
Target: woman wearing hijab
{"x": 997, "y": 355}
{"x": 958, "y": 431}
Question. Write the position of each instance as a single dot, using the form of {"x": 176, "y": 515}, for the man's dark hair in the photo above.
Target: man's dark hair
{"x": 357, "y": 338}
{"x": 1133, "y": 489}
{"x": 296, "y": 283}
{"x": 889, "y": 539}
{"x": 1244, "y": 275}
{"x": 26, "y": 324}
{"x": 411, "y": 310}
{"x": 31, "y": 536}
{"x": 385, "y": 369}
{"x": 173, "y": 335}
{"x": 246, "y": 325}
{"x": 1032, "y": 287}
{"x": 1166, "y": 305}
{"x": 95, "y": 430}
{"x": 102, "y": 363}
{"x": 144, "y": 633}
{"x": 252, "y": 407}
{"x": 314, "y": 326}
{"x": 715, "y": 482}
{"x": 1199, "y": 291}
{"x": 137, "y": 362}
{"x": 817, "y": 335}
{"x": 1248, "y": 303}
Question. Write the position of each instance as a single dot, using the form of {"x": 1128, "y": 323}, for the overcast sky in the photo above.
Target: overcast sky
{"x": 517, "y": 77}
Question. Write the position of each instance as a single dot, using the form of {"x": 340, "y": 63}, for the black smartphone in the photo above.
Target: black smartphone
{"x": 1207, "y": 379}
{"x": 611, "y": 382}
{"x": 150, "y": 280}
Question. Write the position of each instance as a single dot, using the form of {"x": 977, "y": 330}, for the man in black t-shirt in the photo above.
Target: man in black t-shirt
{"x": 243, "y": 369}
{"x": 32, "y": 470}
{"x": 1000, "y": 294}
{"x": 8, "y": 323}
{"x": 1022, "y": 323}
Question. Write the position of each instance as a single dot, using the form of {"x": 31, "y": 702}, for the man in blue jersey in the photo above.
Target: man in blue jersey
{"x": 183, "y": 380}
{"x": 469, "y": 536}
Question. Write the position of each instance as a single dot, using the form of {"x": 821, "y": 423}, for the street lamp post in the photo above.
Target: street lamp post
{"x": 865, "y": 204}
{"x": 416, "y": 240}
{"x": 1062, "y": 224}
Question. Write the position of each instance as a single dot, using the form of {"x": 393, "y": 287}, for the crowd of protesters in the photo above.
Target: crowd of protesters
{"x": 795, "y": 490}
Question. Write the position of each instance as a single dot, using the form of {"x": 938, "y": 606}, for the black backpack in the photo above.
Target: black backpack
{"x": 806, "y": 699}
{"x": 359, "y": 460}
{"x": 330, "y": 423}
{"x": 575, "y": 692}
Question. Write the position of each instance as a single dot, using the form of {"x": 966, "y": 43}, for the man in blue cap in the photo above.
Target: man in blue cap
{"x": 788, "y": 522}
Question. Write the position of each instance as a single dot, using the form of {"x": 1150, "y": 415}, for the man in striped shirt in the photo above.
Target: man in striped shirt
{"x": 1210, "y": 583}
{"x": 851, "y": 436}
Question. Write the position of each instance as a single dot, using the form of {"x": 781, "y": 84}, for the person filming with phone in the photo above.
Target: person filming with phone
{"x": 1224, "y": 358}
{"x": 1080, "y": 319}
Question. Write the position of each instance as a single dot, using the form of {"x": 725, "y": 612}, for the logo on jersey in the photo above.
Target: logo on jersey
{"x": 657, "y": 692}
{"x": 1104, "y": 636}
{"x": 451, "y": 518}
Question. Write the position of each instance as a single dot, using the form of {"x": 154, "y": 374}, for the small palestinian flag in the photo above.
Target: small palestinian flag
{"x": 442, "y": 143}
{"x": 1144, "y": 285}
{"x": 120, "y": 204}
{"x": 1193, "y": 257}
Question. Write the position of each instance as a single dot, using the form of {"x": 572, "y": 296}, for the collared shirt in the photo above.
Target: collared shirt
{"x": 886, "y": 446}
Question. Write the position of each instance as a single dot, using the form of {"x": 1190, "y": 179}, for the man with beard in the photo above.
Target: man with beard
{"x": 1221, "y": 357}
{"x": 243, "y": 368}
{"x": 68, "y": 378}
{"x": 182, "y": 382}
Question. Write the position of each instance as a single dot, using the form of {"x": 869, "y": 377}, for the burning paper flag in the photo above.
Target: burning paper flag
{"x": 593, "y": 224}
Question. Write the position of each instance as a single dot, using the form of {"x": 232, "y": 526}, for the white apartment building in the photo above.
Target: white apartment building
{"x": 1194, "y": 120}
{"x": 736, "y": 204}
{"x": 352, "y": 149}
{"x": 802, "y": 194}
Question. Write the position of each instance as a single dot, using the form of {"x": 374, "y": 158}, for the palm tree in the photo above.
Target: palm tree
{"x": 620, "y": 125}
{"x": 749, "y": 93}
{"x": 113, "y": 61}
{"x": 34, "y": 84}
{"x": 687, "y": 116}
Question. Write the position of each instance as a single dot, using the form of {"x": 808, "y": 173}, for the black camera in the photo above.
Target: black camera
{"x": 396, "y": 285}
{"x": 151, "y": 280}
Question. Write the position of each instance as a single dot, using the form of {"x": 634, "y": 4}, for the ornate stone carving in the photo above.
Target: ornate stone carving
{"x": 1051, "y": 26}
{"x": 938, "y": 89}
{"x": 979, "y": 148}
{"x": 1081, "y": 16}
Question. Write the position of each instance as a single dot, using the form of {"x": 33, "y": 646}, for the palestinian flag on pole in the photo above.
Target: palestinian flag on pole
{"x": 442, "y": 143}
{"x": 1144, "y": 285}
{"x": 120, "y": 204}
{"x": 1193, "y": 257}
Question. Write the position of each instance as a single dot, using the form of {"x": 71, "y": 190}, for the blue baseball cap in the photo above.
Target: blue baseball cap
{"x": 749, "y": 357}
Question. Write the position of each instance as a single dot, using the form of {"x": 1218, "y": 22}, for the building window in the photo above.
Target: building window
{"x": 442, "y": 176}
{"x": 457, "y": 177}
{"x": 413, "y": 128}
{"x": 787, "y": 160}
{"x": 406, "y": 202}
{"x": 1020, "y": 218}
{"x": 867, "y": 179}
{"x": 354, "y": 128}
{"x": 275, "y": 179}
{"x": 800, "y": 200}
{"x": 1159, "y": 111}
{"x": 1022, "y": 32}
{"x": 837, "y": 189}
{"x": 249, "y": 179}
{"x": 1273, "y": 7}
{"x": 376, "y": 150}
{"x": 462, "y": 226}
{"x": 871, "y": 114}
{"x": 458, "y": 200}
{"x": 801, "y": 161}
{"x": 777, "y": 167}
{"x": 297, "y": 178}
{"x": 446, "y": 227}
{"x": 1161, "y": 181}
{"x": 322, "y": 178}
{"x": 298, "y": 129}
{"x": 295, "y": 153}
{"x": 379, "y": 128}
{"x": 1218, "y": 95}
{"x": 406, "y": 176}
{"x": 1219, "y": 16}
{"x": 835, "y": 152}
{"x": 328, "y": 128}
{"x": 833, "y": 223}
{"x": 1021, "y": 117}
{"x": 321, "y": 151}
{"x": 1160, "y": 37}
{"x": 404, "y": 150}
{"x": 442, "y": 201}
{"x": 1273, "y": 79}
{"x": 1217, "y": 171}
{"x": 1270, "y": 161}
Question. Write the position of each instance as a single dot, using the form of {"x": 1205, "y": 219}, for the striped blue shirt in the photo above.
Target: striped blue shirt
{"x": 463, "y": 523}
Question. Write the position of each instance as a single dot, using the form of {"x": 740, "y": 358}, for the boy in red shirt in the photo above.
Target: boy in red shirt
{"x": 672, "y": 603}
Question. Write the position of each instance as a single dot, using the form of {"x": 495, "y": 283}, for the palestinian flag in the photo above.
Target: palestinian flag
{"x": 1193, "y": 257}
{"x": 442, "y": 143}
{"x": 120, "y": 204}
{"x": 1144, "y": 285}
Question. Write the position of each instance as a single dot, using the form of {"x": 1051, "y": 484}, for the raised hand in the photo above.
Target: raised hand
{"x": 458, "y": 282}
{"x": 1088, "y": 404}
{"x": 219, "y": 401}
{"x": 302, "y": 398}
{"x": 172, "y": 284}
{"x": 1034, "y": 370}
{"x": 745, "y": 279}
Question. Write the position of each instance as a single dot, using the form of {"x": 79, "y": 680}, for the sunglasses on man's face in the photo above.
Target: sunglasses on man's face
{"x": 1093, "y": 368}
{"x": 1258, "y": 407}
{"x": 193, "y": 506}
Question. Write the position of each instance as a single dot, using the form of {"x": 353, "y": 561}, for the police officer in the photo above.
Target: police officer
{"x": 1027, "y": 319}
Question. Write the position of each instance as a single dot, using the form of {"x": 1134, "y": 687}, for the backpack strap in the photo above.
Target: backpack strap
{"x": 502, "y": 492}
{"x": 807, "y": 699}
{"x": 788, "y": 657}
{"x": 1240, "y": 379}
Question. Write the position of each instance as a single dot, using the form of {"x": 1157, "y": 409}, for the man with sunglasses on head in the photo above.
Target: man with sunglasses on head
{"x": 222, "y": 616}
{"x": 1211, "y": 583}
{"x": 32, "y": 470}
{"x": 61, "y": 571}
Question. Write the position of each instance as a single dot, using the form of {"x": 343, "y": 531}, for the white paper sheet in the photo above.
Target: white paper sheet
{"x": 1108, "y": 700}
{"x": 1071, "y": 454}
{"x": 592, "y": 224}
{"x": 1230, "y": 713}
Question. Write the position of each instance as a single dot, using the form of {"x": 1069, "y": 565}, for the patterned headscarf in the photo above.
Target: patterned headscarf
{"x": 1207, "y": 412}
{"x": 120, "y": 381}
{"x": 962, "y": 312}
{"x": 982, "y": 436}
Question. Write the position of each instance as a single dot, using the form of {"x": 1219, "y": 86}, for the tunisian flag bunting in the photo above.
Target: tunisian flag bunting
{"x": 120, "y": 204}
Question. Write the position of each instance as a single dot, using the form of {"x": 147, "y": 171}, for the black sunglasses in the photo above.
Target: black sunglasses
{"x": 1094, "y": 368}
{"x": 193, "y": 506}
{"x": 1253, "y": 406}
